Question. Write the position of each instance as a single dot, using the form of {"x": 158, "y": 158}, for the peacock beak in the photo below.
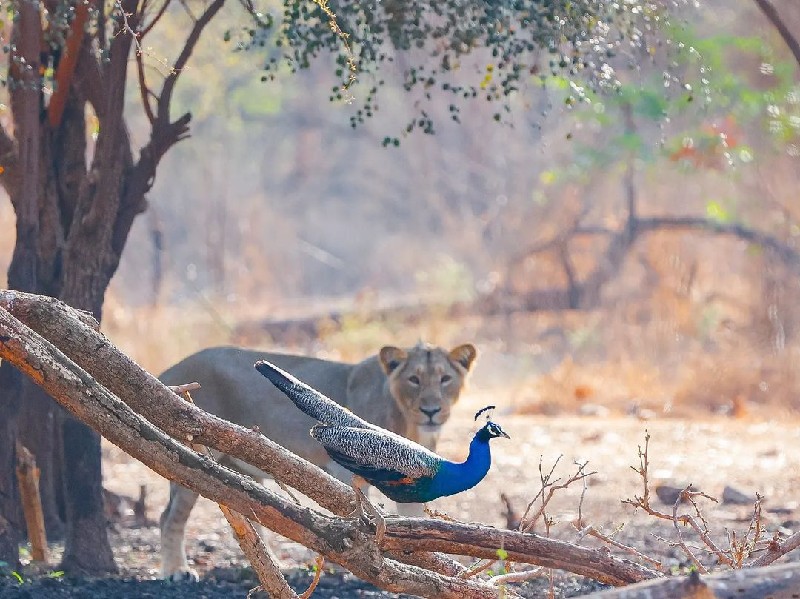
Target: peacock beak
{"x": 505, "y": 434}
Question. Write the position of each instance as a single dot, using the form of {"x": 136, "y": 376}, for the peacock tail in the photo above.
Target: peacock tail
{"x": 400, "y": 468}
{"x": 309, "y": 400}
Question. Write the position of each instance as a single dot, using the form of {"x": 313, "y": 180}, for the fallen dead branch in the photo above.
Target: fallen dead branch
{"x": 349, "y": 543}
{"x": 775, "y": 582}
{"x": 483, "y": 541}
{"x": 73, "y": 331}
{"x": 108, "y": 391}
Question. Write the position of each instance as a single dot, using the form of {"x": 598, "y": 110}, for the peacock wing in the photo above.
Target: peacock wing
{"x": 376, "y": 454}
{"x": 308, "y": 399}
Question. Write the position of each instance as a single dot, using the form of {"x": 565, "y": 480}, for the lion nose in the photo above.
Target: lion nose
{"x": 430, "y": 412}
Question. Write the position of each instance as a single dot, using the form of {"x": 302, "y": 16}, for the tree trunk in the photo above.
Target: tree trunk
{"x": 73, "y": 219}
{"x": 23, "y": 270}
{"x": 87, "y": 547}
{"x": 10, "y": 513}
{"x": 69, "y": 244}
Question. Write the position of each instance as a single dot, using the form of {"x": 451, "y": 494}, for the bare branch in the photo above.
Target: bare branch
{"x": 165, "y": 98}
{"x": 787, "y": 254}
{"x": 180, "y": 389}
{"x": 788, "y": 37}
{"x": 484, "y": 541}
{"x": 681, "y": 543}
{"x": 593, "y": 532}
{"x": 66, "y": 66}
{"x": 550, "y": 487}
{"x": 147, "y": 28}
{"x": 144, "y": 91}
{"x": 515, "y": 576}
{"x": 697, "y": 522}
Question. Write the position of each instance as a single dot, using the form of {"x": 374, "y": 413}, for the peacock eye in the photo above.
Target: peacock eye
{"x": 413, "y": 379}
{"x": 446, "y": 378}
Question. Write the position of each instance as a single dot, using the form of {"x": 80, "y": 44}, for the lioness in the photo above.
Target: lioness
{"x": 408, "y": 391}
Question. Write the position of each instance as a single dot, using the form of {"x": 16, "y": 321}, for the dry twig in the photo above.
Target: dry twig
{"x": 549, "y": 486}
{"x": 318, "y": 565}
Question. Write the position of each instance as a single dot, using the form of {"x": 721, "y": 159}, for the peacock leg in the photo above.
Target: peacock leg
{"x": 365, "y": 509}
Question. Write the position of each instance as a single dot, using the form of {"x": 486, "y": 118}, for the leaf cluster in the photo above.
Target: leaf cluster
{"x": 467, "y": 49}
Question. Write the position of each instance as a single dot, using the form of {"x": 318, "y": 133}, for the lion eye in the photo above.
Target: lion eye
{"x": 446, "y": 378}
{"x": 413, "y": 379}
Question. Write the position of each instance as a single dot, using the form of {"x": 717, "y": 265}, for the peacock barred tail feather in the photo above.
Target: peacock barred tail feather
{"x": 376, "y": 455}
{"x": 309, "y": 400}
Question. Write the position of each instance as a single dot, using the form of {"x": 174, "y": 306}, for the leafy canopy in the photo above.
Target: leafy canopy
{"x": 502, "y": 44}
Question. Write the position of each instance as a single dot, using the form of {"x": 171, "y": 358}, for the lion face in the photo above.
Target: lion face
{"x": 426, "y": 381}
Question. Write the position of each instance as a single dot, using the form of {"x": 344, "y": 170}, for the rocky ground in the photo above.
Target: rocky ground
{"x": 745, "y": 456}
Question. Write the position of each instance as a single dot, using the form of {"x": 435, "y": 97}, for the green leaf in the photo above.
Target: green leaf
{"x": 715, "y": 211}
{"x": 18, "y": 576}
{"x": 547, "y": 177}
{"x": 502, "y": 554}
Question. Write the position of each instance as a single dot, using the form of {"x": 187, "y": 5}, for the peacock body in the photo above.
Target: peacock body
{"x": 401, "y": 469}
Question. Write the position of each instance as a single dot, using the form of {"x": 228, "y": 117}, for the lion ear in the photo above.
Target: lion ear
{"x": 464, "y": 355}
{"x": 392, "y": 358}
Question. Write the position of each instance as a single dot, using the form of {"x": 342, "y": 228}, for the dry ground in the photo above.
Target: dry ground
{"x": 711, "y": 452}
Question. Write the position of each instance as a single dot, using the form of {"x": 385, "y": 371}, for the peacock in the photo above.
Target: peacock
{"x": 403, "y": 470}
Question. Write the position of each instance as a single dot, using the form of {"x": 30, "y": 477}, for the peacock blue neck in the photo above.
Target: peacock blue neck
{"x": 455, "y": 477}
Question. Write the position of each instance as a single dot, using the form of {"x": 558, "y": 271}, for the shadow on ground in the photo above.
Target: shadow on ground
{"x": 228, "y": 583}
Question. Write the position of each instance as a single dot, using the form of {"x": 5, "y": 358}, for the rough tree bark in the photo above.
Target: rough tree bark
{"x": 22, "y": 272}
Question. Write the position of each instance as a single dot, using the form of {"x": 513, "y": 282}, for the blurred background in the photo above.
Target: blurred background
{"x": 279, "y": 226}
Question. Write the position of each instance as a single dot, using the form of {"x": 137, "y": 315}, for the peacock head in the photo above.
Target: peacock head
{"x": 490, "y": 430}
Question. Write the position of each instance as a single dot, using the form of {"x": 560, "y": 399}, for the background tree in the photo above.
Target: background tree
{"x": 77, "y": 182}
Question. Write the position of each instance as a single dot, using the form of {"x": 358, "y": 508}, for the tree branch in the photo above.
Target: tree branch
{"x": 776, "y": 549}
{"x": 66, "y": 67}
{"x": 191, "y": 41}
{"x": 142, "y": 391}
{"x": 346, "y": 542}
{"x": 483, "y": 541}
{"x": 788, "y": 37}
{"x": 147, "y": 28}
{"x": 787, "y": 254}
